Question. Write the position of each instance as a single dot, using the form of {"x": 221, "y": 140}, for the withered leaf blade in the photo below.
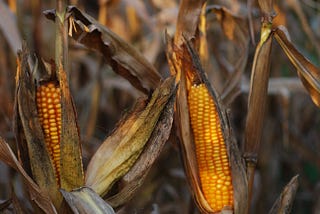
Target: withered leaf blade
{"x": 235, "y": 28}
{"x": 257, "y": 97}
{"x": 9, "y": 28}
{"x": 267, "y": 7}
{"x": 84, "y": 200}
{"x": 119, "y": 151}
{"x": 188, "y": 20}
{"x": 41, "y": 198}
{"x": 122, "y": 57}
{"x": 131, "y": 182}
{"x": 308, "y": 73}
{"x": 284, "y": 203}
{"x": 40, "y": 162}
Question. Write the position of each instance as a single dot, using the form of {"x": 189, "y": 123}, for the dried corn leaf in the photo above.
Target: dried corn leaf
{"x": 119, "y": 151}
{"x": 308, "y": 73}
{"x": 235, "y": 28}
{"x": 41, "y": 198}
{"x": 122, "y": 57}
{"x": 267, "y": 7}
{"x": 9, "y": 27}
{"x": 284, "y": 203}
{"x": 297, "y": 7}
{"x": 135, "y": 177}
{"x": 188, "y": 20}
{"x": 30, "y": 128}
{"x": 186, "y": 59}
{"x": 85, "y": 200}
{"x": 258, "y": 95}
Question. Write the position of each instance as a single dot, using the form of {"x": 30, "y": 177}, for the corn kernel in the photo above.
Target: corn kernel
{"x": 212, "y": 159}
{"x": 49, "y": 113}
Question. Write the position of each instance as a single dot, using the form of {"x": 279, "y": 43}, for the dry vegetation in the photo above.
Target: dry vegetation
{"x": 105, "y": 88}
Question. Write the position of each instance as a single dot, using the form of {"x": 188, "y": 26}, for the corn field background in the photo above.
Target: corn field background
{"x": 291, "y": 128}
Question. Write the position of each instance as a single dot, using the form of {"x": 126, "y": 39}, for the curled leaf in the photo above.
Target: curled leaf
{"x": 122, "y": 57}
{"x": 119, "y": 151}
{"x": 85, "y": 200}
{"x": 308, "y": 73}
{"x": 284, "y": 202}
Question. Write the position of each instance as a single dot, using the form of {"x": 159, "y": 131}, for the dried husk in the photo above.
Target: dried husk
{"x": 134, "y": 179}
{"x": 121, "y": 149}
{"x": 84, "y": 200}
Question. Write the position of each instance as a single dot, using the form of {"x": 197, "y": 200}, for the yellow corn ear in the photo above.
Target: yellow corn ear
{"x": 49, "y": 112}
{"x": 212, "y": 158}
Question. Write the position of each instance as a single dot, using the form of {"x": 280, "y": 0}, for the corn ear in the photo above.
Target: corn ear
{"x": 212, "y": 159}
{"x": 30, "y": 136}
{"x": 49, "y": 113}
{"x": 185, "y": 61}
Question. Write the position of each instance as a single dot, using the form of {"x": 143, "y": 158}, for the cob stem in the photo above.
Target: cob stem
{"x": 61, "y": 43}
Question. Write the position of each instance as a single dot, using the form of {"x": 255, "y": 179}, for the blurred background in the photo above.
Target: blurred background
{"x": 290, "y": 143}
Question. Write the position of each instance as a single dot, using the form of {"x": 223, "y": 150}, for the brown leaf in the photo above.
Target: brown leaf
{"x": 137, "y": 174}
{"x": 308, "y": 73}
{"x": 122, "y": 57}
{"x": 119, "y": 151}
{"x": 235, "y": 28}
{"x": 9, "y": 28}
{"x": 84, "y": 200}
{"x": 297, "y": 7}
{"x": 36, "y": 194}
{"x": 188, "y": 20}
{"x": 257, "y": 96}
{"x": 284, "y": 203}
{"x": 266, "y": 7}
